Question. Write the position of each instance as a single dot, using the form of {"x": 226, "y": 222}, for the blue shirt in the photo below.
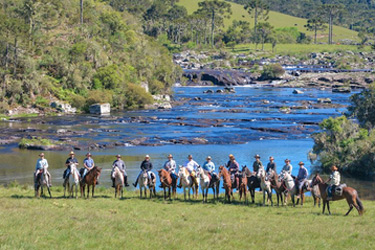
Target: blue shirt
{"x": 302, "y": 173}
{"x": 89, "y": 162}
{"x": 209, "y": 166}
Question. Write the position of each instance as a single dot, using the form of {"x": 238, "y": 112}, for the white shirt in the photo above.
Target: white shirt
{"x": 191, "y": 165}
{"x": 41, "y": 163}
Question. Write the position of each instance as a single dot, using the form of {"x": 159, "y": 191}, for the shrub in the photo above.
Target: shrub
{"x": 108, "y": 77}
{"x": 136, "y": 96}
{"x": 272, "y": 72}
{"x": 40, "y": 101}
{"x": 98, "y": 96}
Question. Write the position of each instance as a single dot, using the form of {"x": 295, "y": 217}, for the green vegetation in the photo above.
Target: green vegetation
{"x": 346, "y": 143}
{"x": 54, "y": 50}
{"x": 272, "y": 72}
{"x": 131, "y": 223}
{"x": 38, "y": 141}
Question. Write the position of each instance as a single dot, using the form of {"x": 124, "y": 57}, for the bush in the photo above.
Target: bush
{"x": 107, "y": 77}
{"x": 98, "y": 96}
{"x": 40, "y": 101}
{"x": 78, "y": 101}
{"x": 137, "y": 97}
{"x": 272, "y": 72}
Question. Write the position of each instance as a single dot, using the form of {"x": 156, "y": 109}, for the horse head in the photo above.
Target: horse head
{"x": 221, "y": 169}
{"x": 316, "y": 180}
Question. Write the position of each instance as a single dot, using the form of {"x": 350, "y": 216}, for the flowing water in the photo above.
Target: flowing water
{"x": 265, "y": 121}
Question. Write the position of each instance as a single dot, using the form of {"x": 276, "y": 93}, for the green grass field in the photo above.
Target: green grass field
{"x": 108, "y": 223}
{"x": 276, "y": 19}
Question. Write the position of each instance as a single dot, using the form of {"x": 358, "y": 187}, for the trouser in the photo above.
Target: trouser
{"x": 331, "y": 189}
{"x": 149, "y": 176}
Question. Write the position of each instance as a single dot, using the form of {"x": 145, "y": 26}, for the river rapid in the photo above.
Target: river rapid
{"x": 254, "y": 120}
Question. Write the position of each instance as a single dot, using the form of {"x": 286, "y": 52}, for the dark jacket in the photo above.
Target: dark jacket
{"x": 146, "y": 165}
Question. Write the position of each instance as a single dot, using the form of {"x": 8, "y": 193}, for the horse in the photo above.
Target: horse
{"x": 305, "y": 188}
{"x": 119, "y": 182}
{"x": 227, "y": 182}
{"x": 145, "y": 183}
{"x": 252, "y": 182}
{"x": 348, "y": 193}
{"x": 215, "y": 185}
{"x": 278, "y": 186}
{"x": 204, "y": 182}
{"x": 315, "y": 192}
{"x": 243, "y": 187}
{"x": 265, "y": 184}
{"x": 72, "y": 181}
{"x": 187, "y": 181}
{"x": 290, "y": 187}
{"x": 90, "y": 180}
{"x": 42, "y": 180}
{"x": 167, "y": 182}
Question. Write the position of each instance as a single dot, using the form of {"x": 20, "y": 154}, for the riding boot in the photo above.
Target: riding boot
{"x": 126, "y": 181}
{"x": 113, "y": 182}
{"x": 136, "y": 182}
{"x": 179, "y": 184}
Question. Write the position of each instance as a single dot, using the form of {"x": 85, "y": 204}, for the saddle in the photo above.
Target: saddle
{"x": 337, "y": 190}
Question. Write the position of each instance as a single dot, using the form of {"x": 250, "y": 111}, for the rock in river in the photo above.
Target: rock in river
{"x": 296, "y": 91}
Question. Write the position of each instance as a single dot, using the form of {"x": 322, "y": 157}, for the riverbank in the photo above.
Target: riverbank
{"x": 108, "y": 223}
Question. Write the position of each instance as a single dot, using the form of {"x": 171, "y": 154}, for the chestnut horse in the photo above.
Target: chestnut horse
{"x": 227, "y": 182}
{"x": 278, "y": 186}
{"x": 348, "y": 193}
{"x": 90, "y": 180}
{"x": 243, "y": 187}
{"x": 167, "y": 182}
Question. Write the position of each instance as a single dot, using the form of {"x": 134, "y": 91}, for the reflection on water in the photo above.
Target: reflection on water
{"x": 239, "y": 126}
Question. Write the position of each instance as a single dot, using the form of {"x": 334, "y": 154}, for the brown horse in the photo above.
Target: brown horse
{"x": 227, "y": 182}
{"x": 348, "y": 193}
{"x": 278, "y": 186}
{"x": 243, "y": 187}
{"x": 252, "y": 182}
{"x": 167, "y": 182}
{"x": 90, "y": 180}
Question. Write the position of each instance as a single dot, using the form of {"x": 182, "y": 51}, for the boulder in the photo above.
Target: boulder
{"x": 209, "y": 91}
{"x": 296, "y": 91}
{"x": 324, "y": 100}
{"x": 100, "y": 109}
{"x": 63, "y": 107}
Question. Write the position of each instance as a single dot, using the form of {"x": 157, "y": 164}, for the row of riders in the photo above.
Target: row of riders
{"x": 191, "y": 175}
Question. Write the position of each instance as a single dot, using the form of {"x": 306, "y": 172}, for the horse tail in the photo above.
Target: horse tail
{"x": 360, "y": 205}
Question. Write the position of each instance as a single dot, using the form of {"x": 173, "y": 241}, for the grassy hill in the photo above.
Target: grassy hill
{"x": 132, "y": 223}
{"x": 278, "y": 20}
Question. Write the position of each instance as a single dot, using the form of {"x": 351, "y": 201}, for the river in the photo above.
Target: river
{"x": 244, "y": 123}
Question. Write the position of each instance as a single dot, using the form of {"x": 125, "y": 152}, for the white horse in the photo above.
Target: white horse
{"x": 119, "y": 182}
{"x": 204, "y": 182}
{"x": 145, "y": 183}
{"x": 290, "y": 186}
{"x": 186, "y": 181}
{"x": 73, "y": 181}
{"x": 265, "y": 185}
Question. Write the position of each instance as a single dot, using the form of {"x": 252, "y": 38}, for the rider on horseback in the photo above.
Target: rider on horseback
{"x": 42, "y": 165}
{"x": 333, "y": 181}
{"x": 271, "y": 166}
{"x": 233, "y": 168}
{"x": 301, "y": 177}
{"x": 146, "y": 165}
{"x": 191, "y": 166}
{"x": 70, "y": 160}
{"x": 120, "y": 164}
{"x": 170, "y": 167}
{"x": 287, "y": 168}
{"x": 257, "y": 166}
{"x": 209, "y": 167}
{"x": 88, "y": 164}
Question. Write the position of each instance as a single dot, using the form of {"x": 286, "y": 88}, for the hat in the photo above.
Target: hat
{"x": 41, "y": 154}
{"x": 170, "y": 156}
{"x": 301, "y": 163}
{"x": 118, "y": 156}
{"x": 88, "y": 154}
{"x": 208, "y": 157}
{"x": 287, "y": 159}
{"x": 334, "y": 168}
{"x": 257, "y": 156}
{"x": 71, "y": 153}
{"x": 271, "y": 157}
{"x": 231, "y": 156}
{"x": 190, "y": 156}
{"x": 147, "y": 156}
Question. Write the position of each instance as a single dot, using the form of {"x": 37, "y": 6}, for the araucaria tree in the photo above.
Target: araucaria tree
{"x": 217, "y": 11}
{"x": 331, "y": 10}
{"x": 315, "y": 24}
{"x": 258, "y": 9}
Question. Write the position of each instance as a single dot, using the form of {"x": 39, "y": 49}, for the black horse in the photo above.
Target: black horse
{"x": 252, "y": 182}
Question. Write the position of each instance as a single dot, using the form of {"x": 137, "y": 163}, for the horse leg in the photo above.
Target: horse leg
{"x": 88, "y": 191}
{"x": 294, "y": 204}
{"x": 270, "y": 195}
{"x": 324, "y": 206}
{"x": 350, "y": 209}
{"x": 264, "y": 197}
{"x": 165, "y": 193}
{"x": 76, "y": 187}
{"x": 140, "y": 192}
{"x": 49, "y": 192}
{"x": 252, "y": 193}
{"x": 329, "y": 210}
{"x": 93, "y": 190}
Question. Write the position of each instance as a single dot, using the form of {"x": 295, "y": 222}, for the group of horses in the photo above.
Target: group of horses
{"x": 246, "y": 181}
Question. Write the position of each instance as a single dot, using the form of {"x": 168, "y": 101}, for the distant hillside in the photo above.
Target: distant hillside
{"x": 278, "y": 20}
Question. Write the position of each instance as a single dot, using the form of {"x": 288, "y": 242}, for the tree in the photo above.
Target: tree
{"x": 81, "y": 11}
{"x": 315, "y": 24}
{"x": 217, "y": 11}
{"x": 363, "y": 106}
{"x": 332, "y": 10}
{"x": 263, "y": 30}
{"x": 259, "y": 9}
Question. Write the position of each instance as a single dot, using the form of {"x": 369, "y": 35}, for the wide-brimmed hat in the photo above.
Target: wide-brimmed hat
{"x": 71, "y": 153}
{"x": 287, "y": 159}
{"x": 301, "y": 163}
{"x": 147, "y": 156}
{"x": 41, "y": 154}
{"x": 231, "y": 156}
{"x": 208, "y": 158}
{"x": 257, "y": 156}
{"x": 118, "y": 156}
{"x": 88, "y": 154}
{"x": 271, "y": 157}
{"x": 190, "y": 156}
{"x": 334, "y": 168}
{"x": 170, "y": 156}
